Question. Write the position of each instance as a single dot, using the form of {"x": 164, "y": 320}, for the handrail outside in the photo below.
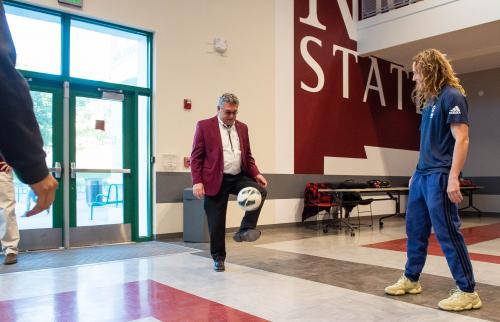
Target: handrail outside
{"x": 370, "y": 8}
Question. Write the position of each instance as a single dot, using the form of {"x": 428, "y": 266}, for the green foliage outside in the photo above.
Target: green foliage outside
{"x": 42, "y": 105}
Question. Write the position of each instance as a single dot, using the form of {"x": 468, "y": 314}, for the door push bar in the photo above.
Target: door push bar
{"x": 75, "y": 170}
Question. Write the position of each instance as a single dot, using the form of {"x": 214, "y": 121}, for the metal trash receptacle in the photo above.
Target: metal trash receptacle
{"x": 93, "y": 190}
{"x": 195, "y": 225}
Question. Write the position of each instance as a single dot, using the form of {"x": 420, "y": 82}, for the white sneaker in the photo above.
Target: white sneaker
{"x": 459, "y": 301}
{"x": 403, "y": 286}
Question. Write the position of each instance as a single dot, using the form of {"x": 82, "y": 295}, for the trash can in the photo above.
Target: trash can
{"x": 195, "y": 226}
{"x": 93, "y": 188}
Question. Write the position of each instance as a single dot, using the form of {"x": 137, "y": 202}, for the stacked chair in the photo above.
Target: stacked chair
{"x": 319, "y": 204}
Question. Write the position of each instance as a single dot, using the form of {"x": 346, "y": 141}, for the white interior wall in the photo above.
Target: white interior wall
{"x": 284, "y": 87}
{"x": 185, "y": 66}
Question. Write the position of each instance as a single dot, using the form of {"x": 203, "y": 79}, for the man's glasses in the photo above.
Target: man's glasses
{"x": 230, "y": 113}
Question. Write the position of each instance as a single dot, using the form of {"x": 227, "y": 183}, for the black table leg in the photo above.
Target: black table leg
{"x": 471, "y": 203}
{"x": 398, "y": 208}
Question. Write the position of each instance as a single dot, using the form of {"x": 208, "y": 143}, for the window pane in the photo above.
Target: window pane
{"x": 99, "y": 145}
{"x": 143, "y": 151}
{"x": 25, "y": 197}
{"x": 107, "y": 54}
{"x": 37, "y": 37}
{"x": 99, "y": 134}
{"x": 99, "y": 199}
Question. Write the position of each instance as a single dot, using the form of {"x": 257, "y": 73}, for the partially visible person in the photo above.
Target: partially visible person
{"x": 435, "y": 187}
{"x": 222, "y": 164}
{"x": 10, "y": 240}
{"x": 20, "y": 139}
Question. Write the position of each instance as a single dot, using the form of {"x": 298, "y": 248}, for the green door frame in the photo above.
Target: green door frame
{"x": 56, "y": 90}
{"x": 48, "y": 82}
{"x": 130, "y": 147}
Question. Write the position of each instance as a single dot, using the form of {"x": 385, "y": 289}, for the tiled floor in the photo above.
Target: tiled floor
{"x": 290, "y": 274}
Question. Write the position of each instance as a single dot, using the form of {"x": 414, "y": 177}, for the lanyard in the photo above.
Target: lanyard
{"x": 228, "y": 128}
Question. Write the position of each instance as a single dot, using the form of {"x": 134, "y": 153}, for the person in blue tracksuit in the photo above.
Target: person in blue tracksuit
{"x": 435, "y": 187}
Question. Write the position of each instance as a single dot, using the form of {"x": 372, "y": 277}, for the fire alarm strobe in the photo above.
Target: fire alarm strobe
{"x": 187, "y": 104}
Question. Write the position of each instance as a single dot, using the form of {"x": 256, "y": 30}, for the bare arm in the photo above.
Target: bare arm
{"x": 460, "y": 132}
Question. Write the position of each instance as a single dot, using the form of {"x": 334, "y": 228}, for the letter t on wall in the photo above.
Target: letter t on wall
{"x": 400, "y": 70}
{"x": 345, "y": 67}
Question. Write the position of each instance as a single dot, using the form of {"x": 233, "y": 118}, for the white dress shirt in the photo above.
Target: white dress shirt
{"x": 230, "y": 148}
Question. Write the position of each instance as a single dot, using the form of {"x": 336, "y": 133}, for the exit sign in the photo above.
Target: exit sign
{"x": 76, "y": 3}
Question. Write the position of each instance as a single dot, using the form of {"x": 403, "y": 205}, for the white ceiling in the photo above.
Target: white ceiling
{"x": 471, "y": 49}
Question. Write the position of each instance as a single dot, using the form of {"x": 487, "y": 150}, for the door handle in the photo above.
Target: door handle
{"x": 57, "y": 170}
{"x": 75, "y": 170}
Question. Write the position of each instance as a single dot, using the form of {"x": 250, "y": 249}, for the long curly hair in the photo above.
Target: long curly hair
{"x": 436, "y": 73}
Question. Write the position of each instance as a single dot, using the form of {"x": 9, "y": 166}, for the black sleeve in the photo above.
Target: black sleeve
{"x": 20, "y": 139}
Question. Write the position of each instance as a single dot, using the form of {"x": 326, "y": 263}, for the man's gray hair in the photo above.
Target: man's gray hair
{"x": 228, "y": 98}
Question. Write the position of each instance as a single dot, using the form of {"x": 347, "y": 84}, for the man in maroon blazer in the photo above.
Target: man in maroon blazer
{"x": 222, "y": 164}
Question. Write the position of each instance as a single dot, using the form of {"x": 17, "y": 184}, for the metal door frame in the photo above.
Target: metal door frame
{"x": 101, "y": 234}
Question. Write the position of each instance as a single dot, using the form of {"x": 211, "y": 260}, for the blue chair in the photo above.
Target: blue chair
{"x": 112, "y": 196}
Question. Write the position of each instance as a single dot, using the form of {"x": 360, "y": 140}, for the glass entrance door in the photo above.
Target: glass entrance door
{"x": 44, "y": 230}
{"x": 104, "y": 170}
{"x": 100, "y": 169}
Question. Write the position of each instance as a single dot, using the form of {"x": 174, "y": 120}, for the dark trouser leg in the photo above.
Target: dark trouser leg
{"x": 216, "y": 207}
{"x": 250, "y": 219}
{"x": 446, "y": 223}
{"x": 418, "y": 228}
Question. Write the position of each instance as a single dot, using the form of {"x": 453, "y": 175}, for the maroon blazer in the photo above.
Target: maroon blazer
{"x": 207, "y": 161}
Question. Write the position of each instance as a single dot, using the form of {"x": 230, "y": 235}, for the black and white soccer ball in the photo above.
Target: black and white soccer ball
{"x": 249, "y": 198}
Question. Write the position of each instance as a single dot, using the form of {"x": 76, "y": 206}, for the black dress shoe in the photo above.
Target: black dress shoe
{"x": 219, "y": 265}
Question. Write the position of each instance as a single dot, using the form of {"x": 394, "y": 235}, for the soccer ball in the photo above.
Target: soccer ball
{"x": 249, "y": 198}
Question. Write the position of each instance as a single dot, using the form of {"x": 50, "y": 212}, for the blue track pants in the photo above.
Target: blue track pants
{"x": 429, "y": 206}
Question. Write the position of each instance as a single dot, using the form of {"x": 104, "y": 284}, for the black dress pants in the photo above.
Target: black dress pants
{"x": 216, "y": 207}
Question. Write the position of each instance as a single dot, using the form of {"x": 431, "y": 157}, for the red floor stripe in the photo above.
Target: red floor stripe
{"x": 472, "y": 235}
{"x": 485, "y": 258}
{"x": 129, "y": 301}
